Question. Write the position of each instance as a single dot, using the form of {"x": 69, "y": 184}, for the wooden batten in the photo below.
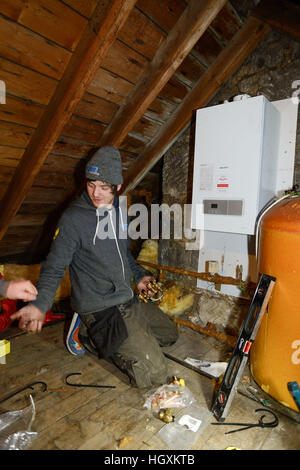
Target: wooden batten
{"x": 109, "y": 86}
{"x": 54, "y": 20}
{"x": 28, "y": 220}
{"x": 25, "y": 83}
{"x": 54, "y": 180}
{"x": 208, "y": 49}
{"x": 84, "y": 7}
{"x": 21, "y": 111}
{"x": 9, "y": 249}
{"x": 173, "y": 91}
{"x": 15, "y": 135}
{"x": 60, "y": 164}
{"x": 100, "y": 109}
{"x": 51, "y": 196}
{"x": 6, "y": 174}
{"x": 281, "y": 14}
{"x": 10, "y": 156}
{"x": 190, "y": 70}
{"x": 227, "y": 24}
{"x": 71, "y": 147}
{"x": 146, "y": 127}
{"x": 125, "y": 62}
{"x": 3, "y": 189}
{"x": 30, "y": 49}
{"x": 141, "y": 34}
{"x": 160, "y": 110}
{"x": 85, "y": 129}
{"x": 96, "y": 40}
{"x": 165, "y": 18}
{"x": 133, "y": 144}
{"x": 226, "y": 64}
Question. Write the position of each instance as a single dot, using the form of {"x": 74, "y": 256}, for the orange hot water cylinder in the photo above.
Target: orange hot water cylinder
{"x": 275, "y": 354}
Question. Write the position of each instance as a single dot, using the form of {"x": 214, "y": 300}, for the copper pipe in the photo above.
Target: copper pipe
{"x": 209, "y": 331}
{"x": 215, "y": 278}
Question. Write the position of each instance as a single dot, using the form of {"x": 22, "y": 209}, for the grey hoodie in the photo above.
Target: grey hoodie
{"x": 100, "y": 269}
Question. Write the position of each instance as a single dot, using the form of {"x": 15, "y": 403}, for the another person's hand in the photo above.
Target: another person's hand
{"x": 22, "y": 289}
{"x": 30, "y": 318}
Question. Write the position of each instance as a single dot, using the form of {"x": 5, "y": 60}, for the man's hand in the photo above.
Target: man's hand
{"x": 22, "y": 289}
{"x": 142, "y": 285}
{"x": 30, "y": 318}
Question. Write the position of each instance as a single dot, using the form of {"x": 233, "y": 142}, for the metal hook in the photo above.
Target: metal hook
{"x": 44, "y": 388}
{"x": 268, "y": 424}
{"x": 85, "y": 385}
{"x": 261, "y": 423}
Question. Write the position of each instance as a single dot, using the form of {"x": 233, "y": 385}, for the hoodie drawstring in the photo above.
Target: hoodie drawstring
{"x": 94, "y": 239}
{"x": 115, "y": 235}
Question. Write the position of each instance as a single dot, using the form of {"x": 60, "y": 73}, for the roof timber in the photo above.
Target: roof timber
{"x": 189, "y": 28}
{"x": 98, "y": 36}
{"x": 230, "y": 59}
{"x": 116, "y": 104}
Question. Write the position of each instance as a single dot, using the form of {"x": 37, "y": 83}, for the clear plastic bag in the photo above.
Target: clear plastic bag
{"x": 15, "y": 431}
{"x": 183, "y": 433}
{"x": 168, "y": 396}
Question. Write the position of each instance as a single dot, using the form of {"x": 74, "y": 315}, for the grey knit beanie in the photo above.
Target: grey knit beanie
{"x": 105, "y": 165}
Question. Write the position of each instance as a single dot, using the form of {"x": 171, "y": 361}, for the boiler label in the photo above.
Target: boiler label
{"x": 222, "y": 178}
{"x": 206, "y": 177}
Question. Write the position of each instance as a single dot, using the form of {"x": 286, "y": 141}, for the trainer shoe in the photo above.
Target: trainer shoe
{"x": 73, "y": 343}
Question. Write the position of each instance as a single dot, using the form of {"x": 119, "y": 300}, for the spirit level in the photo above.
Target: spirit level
{"x": 242, "y": 348}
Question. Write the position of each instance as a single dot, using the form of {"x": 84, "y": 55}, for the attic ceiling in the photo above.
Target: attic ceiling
{"x": 79, "y": 74}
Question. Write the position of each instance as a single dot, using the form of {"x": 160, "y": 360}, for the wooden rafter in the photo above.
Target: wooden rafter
{"x": 98, "y": 36}
{"x": 189, "y": 28}
{"x": 229, "y": 60}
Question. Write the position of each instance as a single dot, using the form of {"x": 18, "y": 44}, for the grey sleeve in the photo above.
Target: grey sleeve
{"x": 138, "y": 271}
{"x": 60, "y": 256}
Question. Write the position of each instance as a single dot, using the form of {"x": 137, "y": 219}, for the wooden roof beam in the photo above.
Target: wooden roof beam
{"x": 229, "y": 60}
{"x": 280, "y": 14}
{"x": 98, "y": 36}
{"x": 189, "y": 28}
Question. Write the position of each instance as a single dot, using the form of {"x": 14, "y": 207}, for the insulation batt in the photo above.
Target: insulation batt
{"x": 175, "y": 301}
{"x": 149, "y": 253}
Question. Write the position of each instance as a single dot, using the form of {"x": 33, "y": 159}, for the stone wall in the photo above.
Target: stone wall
{"x": 271, "y": 70}
{"x": 177, "y": 189}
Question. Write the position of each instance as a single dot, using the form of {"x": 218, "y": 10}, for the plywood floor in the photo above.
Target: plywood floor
{"x": 69, "y": 418}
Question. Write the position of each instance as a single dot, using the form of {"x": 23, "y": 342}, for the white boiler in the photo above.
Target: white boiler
{"x": 244, "y": 156}
{"x": 235, "y": 164}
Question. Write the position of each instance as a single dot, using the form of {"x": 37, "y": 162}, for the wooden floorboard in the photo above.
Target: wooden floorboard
{"x": 75, "y": 418}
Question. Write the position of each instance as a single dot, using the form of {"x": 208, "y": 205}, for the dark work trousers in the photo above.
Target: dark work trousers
{"x": 140, "y": 355}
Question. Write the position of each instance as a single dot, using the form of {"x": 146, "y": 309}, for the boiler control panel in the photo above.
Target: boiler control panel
{"x": 223, "y": 206}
